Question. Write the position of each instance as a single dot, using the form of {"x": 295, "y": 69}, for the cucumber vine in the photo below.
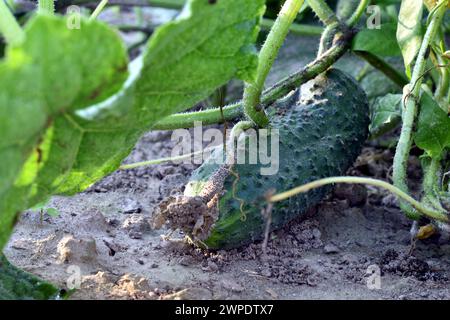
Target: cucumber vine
{"x": 411, "y": 96}
{"x": 72, "y": 106}
{"x": 267, "y": 55}
{"x": 46, "y": 6}
{"x": 9, "y": 27}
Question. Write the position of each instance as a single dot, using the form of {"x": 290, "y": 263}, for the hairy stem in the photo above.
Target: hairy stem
{"x": 9, "y": 28}
{"x": 440, "y": 216}
{"x": 354, "y": 19}
{"x": 295, "y": 28}
{"x": 431, "y": 181}
{"x": 235, "y": 133}
{"x": 410, "y": 112}
{"x": 321, "y": 64}
{"x": 279, "y": 90}
{"x": 207, "y": 117}
{"x": 378, "y": 63}
{"x": 269, "y": 51}
{"x": 323, "y": 11}
{"x": 444, "y": 81}
{"x": 431, "y": 176}
{"x": 46, "y": 6}
{"x": 99, "y": 9}
{"x": 164, "y": 160}
{"x": 327, "y": 37}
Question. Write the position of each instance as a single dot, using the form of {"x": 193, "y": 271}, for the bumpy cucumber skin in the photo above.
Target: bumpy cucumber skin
{"x": 16, "y": 284}
{"x": 319, "y": 139}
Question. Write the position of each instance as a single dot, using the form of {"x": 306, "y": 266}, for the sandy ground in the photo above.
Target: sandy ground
{"x": 327, "y": 254}
{"x": 330, "y": 253}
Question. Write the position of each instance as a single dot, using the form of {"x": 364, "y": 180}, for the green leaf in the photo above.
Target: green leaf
{"x": 382, "y": 42}
{"x": 386, "y": 114}
{"x": 187, "y": 59}
{"x": 54, "y": 72}
{"x": 410, "y": 31}
{"x": 15, "y": 199}
{"x": 52, "y": 212}
{"x": 79, "y": 143}
{"x": 184, "y": 63}
{"x": 16, "y": 284}
{"x": 433, "y": 127}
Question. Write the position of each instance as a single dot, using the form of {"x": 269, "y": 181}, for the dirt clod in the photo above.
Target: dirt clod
{"x": 405, "y": 264}
{"x": 72, "y": 250}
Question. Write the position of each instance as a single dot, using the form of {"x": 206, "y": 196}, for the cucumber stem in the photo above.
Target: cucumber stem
{"x": 98, "y": 9}
{"x": 431, "y": 175}
{"x": 410, "y": 112}
{"x": 46, "y": 6}
{"x": 354, "y": 19}
{"x": 431, "y": 181}
{"x": 164, "y": 160}
{"x": 207, "y": 117}
{"x": 440, "y": 216}
{"x": 327, "y": 37}
{"x": 267, "y": 55}
{"x": 444, "y": 81}
{"x": 323, "y": 11}
{"x": 9, "y": 27}
{"x": 279, "y": 90}
{"x": 235, "y": 132}
{"x": 295, "y": 28}
{"x": 311, "y": 70}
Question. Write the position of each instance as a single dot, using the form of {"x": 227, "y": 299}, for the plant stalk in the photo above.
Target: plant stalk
{"x": 164, "y": 160}
{"x": 444, "y": 83}
{"x": 354, "y": 19}
{"x": 9, "y": 27}
{"x": 431, "y": 181}
{"x": 269, "y": 96}
{"x": 440, "y": 216}
{"x": 207, "y": 117}
{"x": 410, "y": 98}
{"x": 269, "y": 51}
{"x": 323, "y": 11}
{"x": 310, "y": 71}
{"x": 327, "y": 37}
{"x": 295, "y": 28}
{"x": 46, "y": 6}
{"x": 98, "y": 9}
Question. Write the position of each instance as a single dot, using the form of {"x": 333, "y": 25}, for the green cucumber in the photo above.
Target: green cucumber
{"x": 322, "y": 129}
{"x": 16, "y": 284}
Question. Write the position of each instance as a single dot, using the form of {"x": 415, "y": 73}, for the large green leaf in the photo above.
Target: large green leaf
{"x": 54, "y": 72}
{"x": 409, "y": 30}
{"x": 16, "y": 284}
{"x": 185, "y": 61}
{"x": 386, "y": 114}
{"x": 78, "y": 144}
{"x": 433, "y": 128}
{"x": 381, "y": 41}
